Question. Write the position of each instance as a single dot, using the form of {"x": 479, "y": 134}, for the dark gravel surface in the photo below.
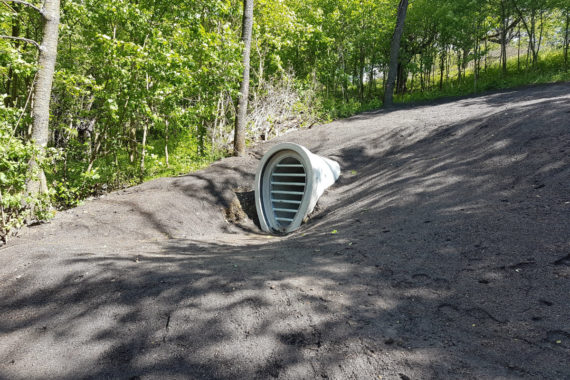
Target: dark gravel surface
{"x": 451, "y": 259}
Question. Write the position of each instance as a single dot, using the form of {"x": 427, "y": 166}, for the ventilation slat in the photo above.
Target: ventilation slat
{"x": 289, "y": 174}
{"x": 285, "y": 201}
{"x": 287, "y": 192}
{"x": 289, "y": 183}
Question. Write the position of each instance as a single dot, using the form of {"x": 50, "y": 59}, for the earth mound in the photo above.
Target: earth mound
{"x": 441, "y": 252}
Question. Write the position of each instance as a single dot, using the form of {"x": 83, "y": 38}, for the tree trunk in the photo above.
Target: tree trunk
{"x": 519, "y": 50}
{"x": 527, "y": 54}
{"x": 3, "y": 234}
{"x": 447, "y": 63}
{"x": 504, "y": 52}
{"x": 441, "y": 67}
{"x": 422, "y": 81}
{"x": 465, "y": 62}
{"x": 344, "y": 79}
{"x": 539, "y": 43}
{"x": 355, "y": 74}
{"x": 42, "y": 91}
{"x": 12, "y": 83}
{"x": 371, "y": 80}
{"x": 459, "y": 66}
{"x": 143, "y": 150}
{"x": 394, "y": 52}
{"x": 433, "y": 68}
{"x": 361, "y": 74}
{"x": 534, "y": 43}
{"x": 476, "y": 60}
{"x": 166, "y": 143}
{"x": 566, "y": 40}
{"x": 201, "y": 139}
{"x": 399, "y": 79}
{"x": 412, "y": 81}
{"x": 486, "y": 54}
{"x": 532, "y": 37}
{"x": 97, "y": 140}
{"x": 504, "y": 23}
{"x": 239, "y": 136}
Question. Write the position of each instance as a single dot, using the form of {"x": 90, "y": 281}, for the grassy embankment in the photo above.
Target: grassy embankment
{"x": 549, "y": 69}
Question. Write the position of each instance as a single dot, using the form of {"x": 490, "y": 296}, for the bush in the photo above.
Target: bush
{"x": 15, "y": 205}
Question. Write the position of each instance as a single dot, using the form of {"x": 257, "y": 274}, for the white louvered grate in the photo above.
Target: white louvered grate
{"x": 288, "y": 183}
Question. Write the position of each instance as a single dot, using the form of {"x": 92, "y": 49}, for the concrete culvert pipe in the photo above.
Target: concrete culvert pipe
{"x": 288, "y": 183}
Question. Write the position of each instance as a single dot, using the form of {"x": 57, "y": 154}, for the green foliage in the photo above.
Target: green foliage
{"x": 153, "y": 69}
{"x": 15, "y": 155}
{"x": 334, "y": 108}
{"x": 185, "y": 157}
{"x": 550, "y": 69}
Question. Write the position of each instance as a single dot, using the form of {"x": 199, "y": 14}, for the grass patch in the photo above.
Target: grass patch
{"x": 549, "y": 69}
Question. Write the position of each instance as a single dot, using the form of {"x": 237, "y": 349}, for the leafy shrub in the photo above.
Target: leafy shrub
{"x": 15, "y": 205}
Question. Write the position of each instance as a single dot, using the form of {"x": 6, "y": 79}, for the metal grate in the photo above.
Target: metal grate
{"x": 288, "y": 182}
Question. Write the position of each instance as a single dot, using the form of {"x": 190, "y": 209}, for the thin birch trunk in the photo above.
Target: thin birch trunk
{"x": 42, "y": 92}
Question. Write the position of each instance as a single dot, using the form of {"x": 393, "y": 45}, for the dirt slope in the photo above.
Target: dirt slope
{"x": 451, "y": 260}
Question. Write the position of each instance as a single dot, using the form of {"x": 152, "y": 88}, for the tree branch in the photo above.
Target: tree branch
{"x": 495, "y": 36}
{"x": 22, "y": 39}
{"x": 522, "y": 18}
{"x": 25, "y": 3}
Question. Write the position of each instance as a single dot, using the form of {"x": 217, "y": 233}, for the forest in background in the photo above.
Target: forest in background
{"x": 149, "y": 88}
